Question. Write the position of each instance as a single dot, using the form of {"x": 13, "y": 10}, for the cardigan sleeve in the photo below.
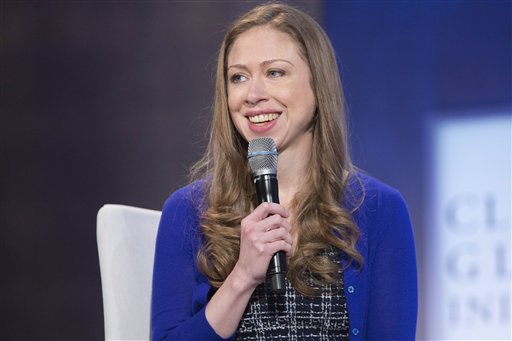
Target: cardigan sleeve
{"x": 179, "y": 294}
{"x": 392, "y": 309}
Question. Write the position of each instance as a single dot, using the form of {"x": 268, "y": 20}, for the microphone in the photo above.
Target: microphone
{"x": 262, "y": 157}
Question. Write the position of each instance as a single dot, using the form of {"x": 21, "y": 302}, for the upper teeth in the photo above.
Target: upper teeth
{"x": 263, "y": 118}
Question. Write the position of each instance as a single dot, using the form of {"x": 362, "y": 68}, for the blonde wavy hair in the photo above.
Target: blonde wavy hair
{"x": 322, "y": 221}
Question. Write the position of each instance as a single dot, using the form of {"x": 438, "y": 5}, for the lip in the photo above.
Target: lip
{"x": 262, "y": 128}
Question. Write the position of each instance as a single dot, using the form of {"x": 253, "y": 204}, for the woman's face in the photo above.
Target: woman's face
{"x": 269, "y": 89}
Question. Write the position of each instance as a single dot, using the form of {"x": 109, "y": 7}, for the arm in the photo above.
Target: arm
{"x": 180, "y": 310}
{"x": 179, "y": 293}
{"x": 393, "y": 280}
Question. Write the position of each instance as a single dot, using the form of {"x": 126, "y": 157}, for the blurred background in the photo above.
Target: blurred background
{"x": 108, "y": 102}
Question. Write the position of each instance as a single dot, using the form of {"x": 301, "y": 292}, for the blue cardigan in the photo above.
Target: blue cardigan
{"x": 381, "y": 297}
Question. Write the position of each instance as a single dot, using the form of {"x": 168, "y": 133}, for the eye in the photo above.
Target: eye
{"x": 275, "y": 73}
{"x": 237, "y": 78}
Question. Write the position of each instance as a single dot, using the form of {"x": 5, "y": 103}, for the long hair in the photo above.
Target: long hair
{"x": 322, "y": 220}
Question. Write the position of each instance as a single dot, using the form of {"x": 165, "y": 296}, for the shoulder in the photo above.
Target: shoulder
{"x": 179, "y": 224}
{"x": 191, "y": 196}
{"x": 370, "y": 187}
{"x": 184, "y": 206}
{"x": 366, "y": 193}
{"x": 379, "y": 208}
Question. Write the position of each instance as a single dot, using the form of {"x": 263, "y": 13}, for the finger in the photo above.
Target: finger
{"x": 279, "y": 245}
{"x": 269, "y": 208}
{"x": 275, "y": 221}
{"x": 277, "y": 235}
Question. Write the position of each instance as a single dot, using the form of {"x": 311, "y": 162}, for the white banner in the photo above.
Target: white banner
{"x": 467, "y": 284}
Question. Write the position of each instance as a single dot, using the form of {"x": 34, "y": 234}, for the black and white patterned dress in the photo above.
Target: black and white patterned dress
{"x": 292, "y": 316}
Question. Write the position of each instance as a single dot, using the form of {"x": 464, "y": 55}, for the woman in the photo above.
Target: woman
{"x": 348, "y": 239}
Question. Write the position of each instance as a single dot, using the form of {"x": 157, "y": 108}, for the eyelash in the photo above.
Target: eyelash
{"x": 237, "y": 78}
{"x": 280, "y": 72}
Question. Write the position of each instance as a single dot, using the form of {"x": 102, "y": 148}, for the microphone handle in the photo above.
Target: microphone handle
{"x": 267, "y": 191}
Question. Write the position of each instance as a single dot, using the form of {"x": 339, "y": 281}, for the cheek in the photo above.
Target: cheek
{"x": 233, "y": 99}
{"x": 233, "y": 117}
{"x": 303, "y": 98}
{"x": 308, "y": 98}
{"x": 312, "y": 102}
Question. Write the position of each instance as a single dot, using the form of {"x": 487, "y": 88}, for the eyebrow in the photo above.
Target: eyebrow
{"x": 264, "y": 63}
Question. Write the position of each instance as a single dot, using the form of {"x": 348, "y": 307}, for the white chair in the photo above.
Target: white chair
{"x": 126, "y": 246}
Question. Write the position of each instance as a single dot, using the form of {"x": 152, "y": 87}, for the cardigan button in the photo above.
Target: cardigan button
{"x": 351, "y": 289}
{"x": 355, "y": 331}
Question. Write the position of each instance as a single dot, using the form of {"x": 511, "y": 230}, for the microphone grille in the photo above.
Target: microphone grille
{"x": 262, "y": 156}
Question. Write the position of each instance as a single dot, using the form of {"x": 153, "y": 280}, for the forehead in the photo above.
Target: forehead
{"x": 262, "y": 43}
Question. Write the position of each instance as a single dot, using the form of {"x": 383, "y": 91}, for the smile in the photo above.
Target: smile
{"x": 263, "y": 118}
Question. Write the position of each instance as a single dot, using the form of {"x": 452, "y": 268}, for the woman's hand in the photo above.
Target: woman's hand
{"x": 263, "y": 232}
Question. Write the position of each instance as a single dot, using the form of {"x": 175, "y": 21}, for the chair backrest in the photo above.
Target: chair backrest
{"x": 126, "y": 245}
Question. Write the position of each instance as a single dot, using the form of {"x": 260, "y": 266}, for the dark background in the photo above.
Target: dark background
{"x": 108, "y": 102}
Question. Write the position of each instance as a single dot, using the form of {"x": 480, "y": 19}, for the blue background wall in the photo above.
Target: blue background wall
{"x": 407, "y": 64}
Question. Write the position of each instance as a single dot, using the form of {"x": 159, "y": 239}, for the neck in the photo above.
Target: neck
{"x": 292, "y": 169}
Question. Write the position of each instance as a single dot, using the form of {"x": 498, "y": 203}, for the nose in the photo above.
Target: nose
{"x": 256, "y": 92}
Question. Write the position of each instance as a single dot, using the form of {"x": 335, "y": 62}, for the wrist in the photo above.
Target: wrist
{"x": 241, "y": 282}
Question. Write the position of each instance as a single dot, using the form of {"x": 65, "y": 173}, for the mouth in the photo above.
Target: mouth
{"x": 263, "y": 118}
